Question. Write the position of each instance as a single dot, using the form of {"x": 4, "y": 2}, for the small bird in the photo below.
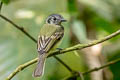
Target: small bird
{"x": 50, "y": 34}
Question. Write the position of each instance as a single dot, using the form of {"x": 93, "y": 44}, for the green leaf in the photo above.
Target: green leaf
{"x": 6, "y": 1}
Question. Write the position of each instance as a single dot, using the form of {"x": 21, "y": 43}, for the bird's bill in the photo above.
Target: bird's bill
{"x": 63, "y": 20}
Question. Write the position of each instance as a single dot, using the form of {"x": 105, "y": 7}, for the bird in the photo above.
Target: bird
{"x": 50, "y": 35}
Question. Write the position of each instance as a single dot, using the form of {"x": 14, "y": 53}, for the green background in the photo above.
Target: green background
{"x": 16, "y": 48}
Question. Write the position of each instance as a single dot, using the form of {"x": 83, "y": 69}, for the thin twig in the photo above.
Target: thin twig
{"x": 33, "y": 39}
{"x": 80, "y": 46}
{"x": 1, "y": 3}
{"x": 18, "y": 27}
{"x": 20, "y": 68}
{"x": 69, "y": 69}
{"x": 81, "y": 75}
{"x": 23, "y": 66}
{"x": 96, "y": 69}
{"x": 76, "y": 47}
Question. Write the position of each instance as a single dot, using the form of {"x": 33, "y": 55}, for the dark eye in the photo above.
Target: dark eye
{"x": 54, "y": 18}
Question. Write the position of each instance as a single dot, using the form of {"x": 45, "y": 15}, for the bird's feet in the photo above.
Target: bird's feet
{"x": 59, "y": 49}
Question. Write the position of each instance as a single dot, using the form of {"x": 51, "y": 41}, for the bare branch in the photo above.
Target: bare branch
{"x": 82, "y": 46}
{"x": 33, "y": 39}
{"x": 23, "y": 66}
{"x": 20, "y": 68}
{"x": 97, "y": 68}
{"x": 76, "y": 47}
{"x": 1, "y": 3}
{"x": 18, "y": 27}
{"x": 69, "y": 69}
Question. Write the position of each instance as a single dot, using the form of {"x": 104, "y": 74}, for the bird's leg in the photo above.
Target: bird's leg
{"x": 59, "y": 49}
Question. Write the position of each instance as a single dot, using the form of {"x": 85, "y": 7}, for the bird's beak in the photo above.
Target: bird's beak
{"x": 63, "y": 20}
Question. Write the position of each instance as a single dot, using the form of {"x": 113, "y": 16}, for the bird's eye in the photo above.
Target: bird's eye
{"x": 54, "y": 18}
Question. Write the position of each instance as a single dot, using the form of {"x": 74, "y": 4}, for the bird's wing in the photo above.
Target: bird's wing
{"x": 49, "y": 36}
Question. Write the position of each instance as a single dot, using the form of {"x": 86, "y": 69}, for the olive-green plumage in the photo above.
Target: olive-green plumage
{"x": 55, "y": 32}
{"x": 50, "y": 34}
{"x": 49, "y": 29}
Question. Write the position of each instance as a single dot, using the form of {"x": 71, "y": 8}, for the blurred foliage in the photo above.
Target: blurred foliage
{"x": 6, "y": 1}
{"x": 16, "y": 48}
{"x": 72, "y": 7}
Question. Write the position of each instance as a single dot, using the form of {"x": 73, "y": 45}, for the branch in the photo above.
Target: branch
{"x": 82, "y": 46}
{"x": 18, "y": 27}
{"x": 69, "y": 69}
{"x": 20, "y": 68}
{"x": 76, "y": 47}
{"x": 33, "y": 39}
{"x": 97, "y": 68}
{"x": 106, "y": 65}
{"x": 23, "y": 66}
{"x": 1, "y": 3}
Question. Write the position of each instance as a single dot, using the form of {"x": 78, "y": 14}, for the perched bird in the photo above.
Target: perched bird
{"x": 50, "y": 34}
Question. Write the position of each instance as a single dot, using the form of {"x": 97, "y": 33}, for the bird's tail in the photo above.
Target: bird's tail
{"x": 40, "y": 66}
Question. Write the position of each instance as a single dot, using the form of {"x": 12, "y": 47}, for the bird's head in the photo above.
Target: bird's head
{"x": 55, "y": 19}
